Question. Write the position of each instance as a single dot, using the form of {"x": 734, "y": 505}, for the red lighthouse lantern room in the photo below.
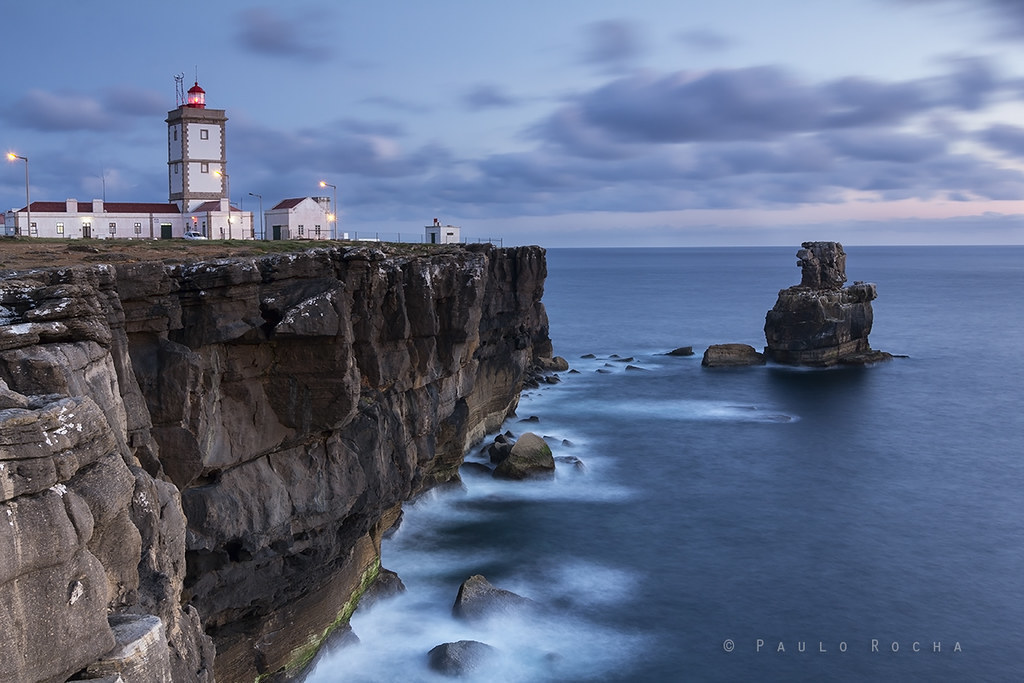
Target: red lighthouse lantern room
{"x": 196, "y": 97}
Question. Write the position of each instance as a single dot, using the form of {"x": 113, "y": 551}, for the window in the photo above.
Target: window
{"x": 204, "y": 168}
{"x": 138, "y": 228}
{"x": 301, "y": 230}
{"x": 175, "y": 133}
{"x": 176, "y": 168}
{"x": 33, "y": 231}
{"x": 204, "y": 134}
{"x": 113, "y": 228}
{"x": 317, "y": 230}
{"x": 60, "y": 228}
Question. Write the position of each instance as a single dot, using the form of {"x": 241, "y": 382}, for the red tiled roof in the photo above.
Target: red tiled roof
{"x": 289, "y": 203}
{"x": 213, "y": 205}
{"x": 108, "y": 207}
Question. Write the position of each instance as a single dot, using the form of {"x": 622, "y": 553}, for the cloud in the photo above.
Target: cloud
{"x": 704, "y": 40}
{"x": 68, "y": 111}
{"x": 397, "y": 104}
{"x": 753, "y": 103}
{"x": 885, "y": 145}
{"x": 1005, "y": 16}
{"x": 49, "y": 111}
{"x": 368, "y": 149}
{"x": 136, "y": 101}
{"x": 969, "y": 84}
{"x": 264, "y": 31}
{"x": 1006, "y": 138}
{"x": 487, "y": 96}
{"x": 612, "y": 43}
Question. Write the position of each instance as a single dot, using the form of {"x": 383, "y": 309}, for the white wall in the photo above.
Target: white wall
{"x": 443, "y": 234}
{"x": 47, "y": 224}
{"x": 204, "y": 149}
{"x": 307, "y": 215}
{"x": 174, "y": 144}
{"x": 203, "y": 182}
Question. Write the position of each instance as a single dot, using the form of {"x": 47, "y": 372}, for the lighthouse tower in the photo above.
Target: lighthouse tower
{"x": 196, "y": 154}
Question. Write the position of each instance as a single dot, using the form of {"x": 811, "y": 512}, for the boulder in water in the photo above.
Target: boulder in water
{"x": 529, "y": 457}
{"x": 478, "y": 599}
{"x": 731, "y": 355}
{"x": 461, "y": 657}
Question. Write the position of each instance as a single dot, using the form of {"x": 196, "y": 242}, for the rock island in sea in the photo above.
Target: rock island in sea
{"x": 820, "y": 322}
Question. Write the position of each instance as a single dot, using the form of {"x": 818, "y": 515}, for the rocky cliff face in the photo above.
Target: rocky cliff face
{"x": 219, "y": 446}
{"x": 820, "y": 322}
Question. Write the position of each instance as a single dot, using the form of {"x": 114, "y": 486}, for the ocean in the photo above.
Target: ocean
{"x": 765, "y": 523}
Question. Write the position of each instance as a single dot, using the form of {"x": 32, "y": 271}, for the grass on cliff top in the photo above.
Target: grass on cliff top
{"x": 19, "y": 253}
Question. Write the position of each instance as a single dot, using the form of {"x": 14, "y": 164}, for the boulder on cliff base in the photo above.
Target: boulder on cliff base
{"x": 530, "y": 457}
{"x": 478, "y": 599}
{"x": 820, "y": 322}
{"x": 731, "y": 355}
{"x": 460, "y": 658}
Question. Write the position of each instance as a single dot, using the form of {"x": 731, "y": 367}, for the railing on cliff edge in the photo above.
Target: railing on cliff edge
{"x": 411, "y": 238}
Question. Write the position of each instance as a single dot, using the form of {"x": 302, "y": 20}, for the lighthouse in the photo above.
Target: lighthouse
{"x": 196, "y": 152}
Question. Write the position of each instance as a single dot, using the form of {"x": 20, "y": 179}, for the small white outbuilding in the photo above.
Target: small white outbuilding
{"x": 443, "y": 234}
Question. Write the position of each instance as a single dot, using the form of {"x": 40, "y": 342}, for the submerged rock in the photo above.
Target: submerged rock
{"x": 820, "y": 322}
{"x": 556, "y": 364}
{"x": 475, "y": 467}
{"x": 731, "y": 355}
{"x": 461, "y": 657}
{"x": 573, "y": 461}
{"x": 478, "y": 599}
{"x": 387, "y": 585}
{"x": 681, "y": 351}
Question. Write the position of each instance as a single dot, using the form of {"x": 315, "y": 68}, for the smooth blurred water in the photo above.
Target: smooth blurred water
{"x": 823, "y": 510}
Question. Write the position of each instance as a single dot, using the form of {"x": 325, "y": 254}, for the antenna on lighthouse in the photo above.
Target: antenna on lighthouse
{"x": 179, "y": 89}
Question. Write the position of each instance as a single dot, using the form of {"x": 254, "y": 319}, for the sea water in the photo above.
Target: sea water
{"x": 762, "y": 523}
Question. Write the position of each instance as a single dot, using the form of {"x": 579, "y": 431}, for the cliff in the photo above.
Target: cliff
{"x": 820, "y": 322}
{"x": 200, "y": 455}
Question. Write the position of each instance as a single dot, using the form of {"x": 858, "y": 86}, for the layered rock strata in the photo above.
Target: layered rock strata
{"x": 820, "y": 322}
{"x": 208, "y": 454}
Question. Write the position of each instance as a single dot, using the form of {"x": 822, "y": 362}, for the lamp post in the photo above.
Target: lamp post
{"x": 227, "y": 186}
{"x": 263, "y": 232}
{"x": 227, "y": 183}
{"x": 334, "y": 234}
{"x": 28, "y": 202}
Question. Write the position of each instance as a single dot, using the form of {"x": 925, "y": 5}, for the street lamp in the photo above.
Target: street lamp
{"x": 28, "y": 202}
{"x": 227, "y": 183}
{"x": 334, "y": 234}
{"x": 263, "y": 232}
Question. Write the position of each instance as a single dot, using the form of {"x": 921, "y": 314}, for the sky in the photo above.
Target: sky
{"x": 559, "y": 122}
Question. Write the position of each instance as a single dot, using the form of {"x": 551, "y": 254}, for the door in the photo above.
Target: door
{"x": 277, "y": 232}
{"x": 165, "y": 231}
{"x": 86, "y": 230}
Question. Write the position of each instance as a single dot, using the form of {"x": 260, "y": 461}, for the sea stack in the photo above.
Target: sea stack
{"x": 820, "y": 322}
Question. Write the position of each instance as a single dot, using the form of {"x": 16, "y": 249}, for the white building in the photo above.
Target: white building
{"x": 443, "y": 234}
{"x": 199, "y": 189}
{"x": 301, "y": 218}
{"x": 72, "y": 219}
{"x": 218, "y": 220}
